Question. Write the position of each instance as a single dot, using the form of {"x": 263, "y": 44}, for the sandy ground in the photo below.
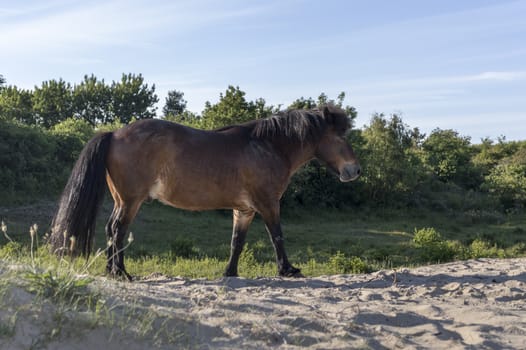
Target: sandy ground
{"x": 476, "y": 304}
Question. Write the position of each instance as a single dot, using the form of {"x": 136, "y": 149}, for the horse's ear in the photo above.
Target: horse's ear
{"x": 327, "y": 115}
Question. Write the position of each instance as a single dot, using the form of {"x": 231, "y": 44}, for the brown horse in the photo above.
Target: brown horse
{"x": 243, "y": 167}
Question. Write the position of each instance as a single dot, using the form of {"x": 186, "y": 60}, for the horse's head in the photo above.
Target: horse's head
{"x": 333, "y": 148}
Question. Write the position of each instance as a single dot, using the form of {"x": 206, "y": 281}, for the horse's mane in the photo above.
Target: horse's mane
{"x": 301, "y": 124}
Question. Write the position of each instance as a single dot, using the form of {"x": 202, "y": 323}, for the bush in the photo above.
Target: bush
{"x": 26, "y": 160}
{"x": 426, "y": 236}
{"x": 78, "y": 128}
{"x": 11, "y": 250}
{"x": 313, "y": 185}
{"x": 517, "y": 249}
{"x": 508, "y": 183}
{"x": 247, "y": 260}
{"x": 480, "y": 248}
{"x": 431, "y": 246}
{"x": 339, "y": 263}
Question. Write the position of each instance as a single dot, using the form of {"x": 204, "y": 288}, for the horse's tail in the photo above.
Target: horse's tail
{"x": 73, "y": 226}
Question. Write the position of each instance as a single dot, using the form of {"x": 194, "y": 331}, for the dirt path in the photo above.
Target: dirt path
{"x": 472, "y": 304}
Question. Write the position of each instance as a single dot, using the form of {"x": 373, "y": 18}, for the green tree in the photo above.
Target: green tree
{"x": 2, "y": 81}
{"x": 26, "y": 160}
{"x": 70, "y": 136}
{"x": 132, "y": 98}
{"x": 390, "y": 158}
{"x": 259, "y": 109}
{"x": 78, "y": 128}
{"x": 16, "y": 104}
{"x": 323, "y": 99}
{"x": 350, "y": 110}
{"x": 233, "y": 108}
{"x": 175, "y": 110}
{"x": 448, "y": 156}
{"x": 186, "y": 118}
{"x": 91, "y": 101}
{"x": 508, "y": 183}
{"x": 302, "y": 103}
{"x": 507, "y": 180}
{"x": 488, "y": 153}
{"x": 175, "y": 104}
{"x": 52, "y": 102}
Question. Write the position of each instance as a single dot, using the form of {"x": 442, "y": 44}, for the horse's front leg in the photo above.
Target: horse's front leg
{"x": 273, "y": 225}
{"x": 242, "y": 220}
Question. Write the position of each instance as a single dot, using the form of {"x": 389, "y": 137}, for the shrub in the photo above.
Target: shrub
{"x": 480, "y": 248}
{"x": 247, "y": 259}
{"x": 431, "y": 247}
{"x": 426, "y": 236}
{"x": 508, "y": 183}
{"x": 357, "y": 265}
{"x": 34, "y": 161}
{"x": 458, "y": 250}
{"x": 78, "y": 128}
{"x": 112, "y": 126}
{"x": 339, "y": 263}
{"x": 11, "y": 250}
{"x": 518, "y": 249}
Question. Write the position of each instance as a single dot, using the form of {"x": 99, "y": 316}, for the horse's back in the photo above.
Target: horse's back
{"x": 181, "y": 166}
{"x": 148, "y": 130}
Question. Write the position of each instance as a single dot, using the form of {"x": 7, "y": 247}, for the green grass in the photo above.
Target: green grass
{"x": 197, "y": 244}
{"x": 58, "y": 301}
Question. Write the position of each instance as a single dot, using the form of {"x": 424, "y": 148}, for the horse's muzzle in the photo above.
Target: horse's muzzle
{"x": 350, "y": 172}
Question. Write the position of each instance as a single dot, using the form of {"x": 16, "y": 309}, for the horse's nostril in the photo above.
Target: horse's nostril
{"x": 359, "y": 171}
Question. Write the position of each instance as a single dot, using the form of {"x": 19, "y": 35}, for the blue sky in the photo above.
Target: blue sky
{"x": 447, "y": 64}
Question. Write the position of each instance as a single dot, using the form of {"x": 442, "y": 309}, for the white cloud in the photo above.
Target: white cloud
{"x": 496, "y": 76}
{"x": 438, "y": 85}
{"x": 104, "y": 24}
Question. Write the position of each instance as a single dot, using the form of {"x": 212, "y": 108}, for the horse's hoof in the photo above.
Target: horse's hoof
{"x": 128, "y": 276}
{"x": 291, "y": 272}
{"x": 230, "y": 274}
{"x": 120, "y": 275}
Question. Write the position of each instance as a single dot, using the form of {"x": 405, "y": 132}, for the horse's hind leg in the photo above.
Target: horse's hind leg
{"x": 110, "y": 229}
{"x": 122, "y": 218}
{"x": 242, "y": 220}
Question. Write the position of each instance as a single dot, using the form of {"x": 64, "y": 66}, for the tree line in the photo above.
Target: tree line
{"x": 43, "y": 130}
{"x": 92, "y": 100}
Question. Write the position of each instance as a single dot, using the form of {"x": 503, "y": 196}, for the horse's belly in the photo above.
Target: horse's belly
{"x": 190, "y": 196}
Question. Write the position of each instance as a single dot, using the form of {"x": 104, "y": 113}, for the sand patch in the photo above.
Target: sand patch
{"x": 476, "y": 303}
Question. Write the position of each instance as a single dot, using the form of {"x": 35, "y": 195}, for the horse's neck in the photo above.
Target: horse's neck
{"x": 299, "y": 155}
